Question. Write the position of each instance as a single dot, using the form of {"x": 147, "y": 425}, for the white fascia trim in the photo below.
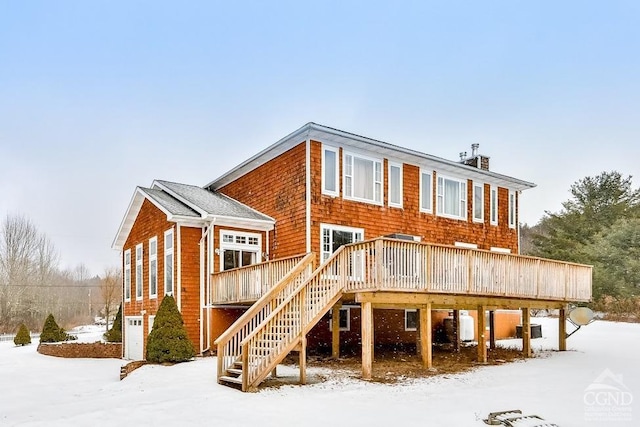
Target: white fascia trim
{"x": 131, "y": 214}
{"x": 250, "y": 224}
{"x": 271, "y": 152}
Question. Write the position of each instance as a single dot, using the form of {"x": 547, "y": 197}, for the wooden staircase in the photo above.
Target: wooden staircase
{"x": 279, "y": 321}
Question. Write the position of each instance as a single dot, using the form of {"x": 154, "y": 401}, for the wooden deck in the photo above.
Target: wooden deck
{"x": 381, "y": 273}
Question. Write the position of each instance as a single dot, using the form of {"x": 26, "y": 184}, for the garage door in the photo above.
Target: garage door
{"x": 133, "y": 338}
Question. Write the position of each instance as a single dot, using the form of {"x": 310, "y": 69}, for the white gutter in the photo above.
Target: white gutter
{"x": 308, "y": 195}
{"x": 203, "y": 272}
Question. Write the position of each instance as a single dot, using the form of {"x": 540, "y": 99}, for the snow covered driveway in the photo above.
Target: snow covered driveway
{"x": 565, "y": 388}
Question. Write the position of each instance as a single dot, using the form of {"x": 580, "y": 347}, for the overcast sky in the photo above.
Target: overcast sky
{"x": 97, "y": 97}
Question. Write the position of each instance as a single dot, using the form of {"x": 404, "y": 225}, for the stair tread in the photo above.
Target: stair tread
{"x": 235, "y": 371}
{"x": 235, "y": 380}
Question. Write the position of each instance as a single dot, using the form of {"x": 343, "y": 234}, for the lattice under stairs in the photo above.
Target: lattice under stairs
{"x": 278, "y": 322}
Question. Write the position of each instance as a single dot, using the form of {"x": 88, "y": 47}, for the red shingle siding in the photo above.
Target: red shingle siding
{"x": 152, "y": 222}
{"x": 277, "y": 189}
{"x": 379, "y": 220}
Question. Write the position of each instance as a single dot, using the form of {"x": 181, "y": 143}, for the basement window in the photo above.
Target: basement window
{"x": 411, "y": 320}
{"x": 345, "y": 319}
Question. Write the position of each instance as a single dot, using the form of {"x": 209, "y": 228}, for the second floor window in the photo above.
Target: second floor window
{"x": 452, "y": 198}
{"x": 330, "y": 171}
{"x": 512, "y": 209}
{"x": 362, "y": 179}
{"x": 127, "y": 275}
{"x": 478, "y": 202}
{"x": 494, "y": 206}
{"x": 153, "y": 267}
{"x": 395, "y": 185}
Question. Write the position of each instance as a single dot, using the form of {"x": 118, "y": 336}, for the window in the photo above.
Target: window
{"x": 139, "y": 271}
{"x": 330, "y": 171}
{"x": 239, "y": 249}
{"x": 411, "y": 320}
{"x": 494, "y": 206}
{"x": 478, "y": 202}
{"x": 452, "y": 198}
{"x": 512, "y": 209}
{"x": 395, "y": 185}
{"x": 152, "y": 319}
{"x": 362, "y": 179}
{"x": 345, "y": 319}
{"x": 127, "y": 275}
{"x": 426, "y": 196}
{"x": 333, "y": 236}
{"x": 168, "y": 262}
{"x": 153, "y": 267}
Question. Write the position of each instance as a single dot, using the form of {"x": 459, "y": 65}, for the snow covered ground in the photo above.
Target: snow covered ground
{"x": 592, "y": 384}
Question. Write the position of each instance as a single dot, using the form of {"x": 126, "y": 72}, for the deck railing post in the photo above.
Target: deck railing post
{"x": 379, "y": 248}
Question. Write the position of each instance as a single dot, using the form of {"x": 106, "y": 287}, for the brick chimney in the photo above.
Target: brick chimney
{"x": 475, "y": 160}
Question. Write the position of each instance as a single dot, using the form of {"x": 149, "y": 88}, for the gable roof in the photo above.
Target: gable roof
{"x": 190, "y": 205}
{"x": 329, "y": 135}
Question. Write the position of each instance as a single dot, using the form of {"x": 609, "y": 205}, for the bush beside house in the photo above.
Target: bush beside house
{"x": 115, "y": 333}
{"x": 168, "y": 341}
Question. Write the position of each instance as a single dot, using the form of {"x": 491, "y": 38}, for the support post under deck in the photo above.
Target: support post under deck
{"x": 562, "y": 330}
{"x": 367, "y": 340}
{"x": 482, "y": 339}
{"x": 335, "y": 331}
{"x": 426, "y": 337}
{"x": 526, "y": 332}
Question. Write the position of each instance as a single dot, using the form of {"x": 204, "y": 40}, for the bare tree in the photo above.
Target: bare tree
{"x": 111, "y": 291}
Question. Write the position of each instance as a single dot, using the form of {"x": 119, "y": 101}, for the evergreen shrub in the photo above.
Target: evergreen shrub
{"x": 115, "y": 333}
{"x": 23, "y": 337}
{"x": 51, "y": 332}
{"x": 168, "y": 341}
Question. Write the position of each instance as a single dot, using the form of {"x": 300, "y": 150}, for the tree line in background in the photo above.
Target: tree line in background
{"x": 599, "y": 225}
{"x": 32, "y": 284}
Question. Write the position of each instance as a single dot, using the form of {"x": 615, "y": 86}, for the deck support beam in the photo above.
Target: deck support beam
{"x": 367, "y": 340}
{"x": 335, "y": 331}
{"x": 526, "y": 332}
{"x": 562, "y": 330}
{"x": 303, "y": 360}
{"x": 492, "y": 330}
{"x": 426, "y": 337}
{"x": 456, "y": 330}
{"x": 482, "y": 339}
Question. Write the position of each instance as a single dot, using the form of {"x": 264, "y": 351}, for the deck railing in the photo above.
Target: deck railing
{"x": 389, "y": 264}
{"x": 248, "y": 284}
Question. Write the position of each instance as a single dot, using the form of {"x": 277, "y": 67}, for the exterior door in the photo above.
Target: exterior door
{"x": 134, "y": 342}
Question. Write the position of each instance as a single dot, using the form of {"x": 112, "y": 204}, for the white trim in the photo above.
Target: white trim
{"x": 494, "y": 207}
{"x": 332, "y": 227}
{"x": 500, "y": 250}
{"x": 140, "y": 277}
{"x": 338, "y": 137}
{"x": 239, "y": 245}
{"x": 476, "y": 184}
{"x": 178, "y": 262}
{"x": 168, "y": 252}
{"x": 307, "y": 199}
{"x": 336, "y": 152}
{"x": 401, "y": 195}
{"x": 150, "y": 321}
{"x": 345, "y": 189}
{"x": 465, "y": 245}
{"x": 153, "y": 257}
{"x": 462, "y": 201}
{"x": 127, "y": 277}
{"x": 342, "y": 328}
{"x": 406, "y": 318}
{"x": 512, "y": 209}
{"x": 430, "y": 175}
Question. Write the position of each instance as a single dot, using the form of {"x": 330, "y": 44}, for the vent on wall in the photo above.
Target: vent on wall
{"x": 401, "y": 236}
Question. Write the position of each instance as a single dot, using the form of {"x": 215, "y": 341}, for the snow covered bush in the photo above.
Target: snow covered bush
{"x": 23, "y": 337}
{"x": 168, "y": 341}
{"x": 115, "y": 333}
{"x": 51, "y": 332}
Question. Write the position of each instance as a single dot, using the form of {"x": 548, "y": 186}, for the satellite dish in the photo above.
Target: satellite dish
{"x": 581, "y": 316}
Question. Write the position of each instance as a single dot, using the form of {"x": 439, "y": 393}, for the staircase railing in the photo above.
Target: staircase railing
{"x": 228, "y": 344}
{"x": 286, "y": 326}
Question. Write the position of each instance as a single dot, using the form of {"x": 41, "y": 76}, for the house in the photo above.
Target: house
{"x": 322, "y": 236}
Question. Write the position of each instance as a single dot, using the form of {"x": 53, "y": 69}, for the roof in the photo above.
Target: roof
{"x": 212, "y": 203}
{"x": 193, "y": 206}
{"x": 329, "y": 135}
